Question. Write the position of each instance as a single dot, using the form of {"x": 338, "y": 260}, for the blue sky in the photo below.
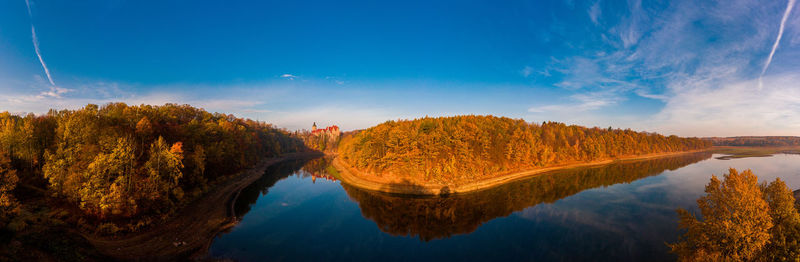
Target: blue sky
{"x": 679, "y": 67}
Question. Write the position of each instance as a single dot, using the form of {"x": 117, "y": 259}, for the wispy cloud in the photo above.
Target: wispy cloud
{"x": 594, "y": 12}
{"x": 697, "y": 59}
{"x": 786, "y": 14}
{"x": 734, "y": 108}
{"x": 54, "y": 92}
{"x": 289, "y": 76}
{"x": 336, "y": 80}
{"x": 36, "y": 45}
{"x": 526, "y": 71}
{"x": 39, "y": 97}
{"x": 580, "y": 103}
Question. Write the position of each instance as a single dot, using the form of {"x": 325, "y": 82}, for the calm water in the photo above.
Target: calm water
{"x": 622, "y": 211}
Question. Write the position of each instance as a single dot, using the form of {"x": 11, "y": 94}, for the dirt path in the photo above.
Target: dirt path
{"x": 188, "y": 234}
{"x": 353, "y": 177}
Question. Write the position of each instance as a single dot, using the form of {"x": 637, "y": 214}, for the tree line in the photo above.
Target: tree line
{"x": 120, "y": 161}
{"x": 463, "y": 148}
{"x": 755, "y": 141}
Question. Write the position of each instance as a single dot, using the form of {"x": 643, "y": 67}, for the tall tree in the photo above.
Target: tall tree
{"x": 784, "y": 244}
{"x": 736, "y": 225}
{"x": 163, "y": 168}
{"x": 106, "y": 178}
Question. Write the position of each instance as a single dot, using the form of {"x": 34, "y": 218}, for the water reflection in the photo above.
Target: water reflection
{"x": 318, "y": 168}
{"x": 441, "y": 217}
{"x": 274, "y": 173}
{"x": 623, "y": 211}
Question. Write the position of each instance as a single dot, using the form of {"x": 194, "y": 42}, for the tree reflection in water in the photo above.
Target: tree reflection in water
{"x": 315, "y": 168}
{"x": 440, "y": 217}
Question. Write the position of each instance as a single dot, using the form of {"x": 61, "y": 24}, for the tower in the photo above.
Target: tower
{"x": 314, "y": 127}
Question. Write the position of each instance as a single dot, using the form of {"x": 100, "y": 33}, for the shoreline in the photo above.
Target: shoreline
{"x": 352, "y": 177}
{"x": 189, "y": 234}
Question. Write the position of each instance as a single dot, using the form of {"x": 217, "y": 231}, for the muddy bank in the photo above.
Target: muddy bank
{"x": 188, "y": 234}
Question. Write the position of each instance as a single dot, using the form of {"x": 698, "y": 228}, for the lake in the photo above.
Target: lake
{"x": 623, "y": 211}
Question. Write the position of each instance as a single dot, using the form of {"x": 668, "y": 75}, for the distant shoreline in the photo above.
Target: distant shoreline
{"x": 353, "y": 177}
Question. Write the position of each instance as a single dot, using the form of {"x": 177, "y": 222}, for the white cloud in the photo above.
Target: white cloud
{"x": 735, "y": 108}
{"x": 701, "y": 59}
{"x": 595, "y": 12}
{"x": 526, "y": 71}
{"x": 581, "y": 103}
{"x": 54, "y": 92}
{"x": 35, "y": 100}
{"x": 289, "y": 76}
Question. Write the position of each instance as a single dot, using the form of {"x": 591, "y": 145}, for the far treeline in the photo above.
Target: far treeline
{"x": 450, "y": 150}
{"x": 755, "y": 141}
{"x": 119, "y": 161}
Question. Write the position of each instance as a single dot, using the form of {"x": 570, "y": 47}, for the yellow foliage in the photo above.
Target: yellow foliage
{"x": 120, "y": 160}
{"x": 8, "y": 181}
{"x": 742, "y": 221}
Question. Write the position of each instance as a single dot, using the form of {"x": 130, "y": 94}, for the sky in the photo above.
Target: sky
{"x": 689, "y": 68}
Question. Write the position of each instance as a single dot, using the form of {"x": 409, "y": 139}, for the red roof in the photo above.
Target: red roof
{"x": 333, "y": 128}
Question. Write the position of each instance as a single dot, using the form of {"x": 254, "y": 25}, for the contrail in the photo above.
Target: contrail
{"x": 36, "y": 45}
{"x": 39, "y": 54}
{"x": 786, "y": 13}
{"x": 28, "y": 4}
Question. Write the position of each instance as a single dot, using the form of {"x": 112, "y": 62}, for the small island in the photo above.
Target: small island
{"x": 446, "y": 155}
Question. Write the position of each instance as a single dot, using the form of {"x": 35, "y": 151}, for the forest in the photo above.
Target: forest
{"x": 755, "y": 141}
{"x": 450, "y": 150}
{"x": 127, "y": 164}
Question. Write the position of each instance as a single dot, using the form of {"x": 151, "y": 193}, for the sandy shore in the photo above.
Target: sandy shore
{"x": 355, "y": 178}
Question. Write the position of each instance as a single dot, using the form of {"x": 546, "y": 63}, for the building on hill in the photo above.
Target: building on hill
{"x": 323, "y": 139}
{"x": 332, "y": 131}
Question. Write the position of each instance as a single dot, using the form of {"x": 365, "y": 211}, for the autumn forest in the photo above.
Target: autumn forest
{"x": 98, "y": 174}
{"x": 457, "y": 149}
{"x": 117, "y": 161}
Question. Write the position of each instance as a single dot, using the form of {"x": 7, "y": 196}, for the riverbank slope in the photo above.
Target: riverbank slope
{"x": 355, "y": 178}
{"x": 190, "y": 232}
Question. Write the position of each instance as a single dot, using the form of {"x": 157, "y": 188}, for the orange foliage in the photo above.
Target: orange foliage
{"x": 463, "y": 148}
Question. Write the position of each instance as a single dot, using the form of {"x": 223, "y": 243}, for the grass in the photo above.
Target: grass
{"x": 734, "y": 152}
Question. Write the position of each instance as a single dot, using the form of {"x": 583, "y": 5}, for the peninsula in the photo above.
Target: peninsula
{"x": 445, "y": 155}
